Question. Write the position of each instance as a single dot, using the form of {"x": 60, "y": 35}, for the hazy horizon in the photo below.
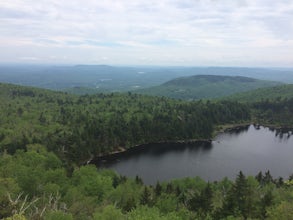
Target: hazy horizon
{"x": 13, "y": 64}
{"x": 191, "y": 33}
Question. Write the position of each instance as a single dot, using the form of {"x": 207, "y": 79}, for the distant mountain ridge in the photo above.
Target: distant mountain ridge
{"x": 201, "y": 79}
{"x": 206, "y": 86}
{"x": 82, "y": 79}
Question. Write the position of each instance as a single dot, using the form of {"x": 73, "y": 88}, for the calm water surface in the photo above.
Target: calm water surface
{"x": 251, "y": 150}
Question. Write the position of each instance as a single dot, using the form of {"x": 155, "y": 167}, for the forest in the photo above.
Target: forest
{"x": 77, "y": 128}
{"x": 35, "y": 185}
{"x": 268, "y": 93}
{"x": 83, "y": 79}
{"x": 199, "y": 87}
{"x": 46, "y": 137}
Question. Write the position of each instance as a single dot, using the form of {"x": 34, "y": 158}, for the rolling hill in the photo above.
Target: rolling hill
{"x": 206, "y": 86}
{"x": 78, "y": 127}
{"x": 88, "y": 79}
{"x": 269, "y": 93}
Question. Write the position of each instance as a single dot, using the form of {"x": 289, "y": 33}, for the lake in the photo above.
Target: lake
{"x": 250, "y": 149}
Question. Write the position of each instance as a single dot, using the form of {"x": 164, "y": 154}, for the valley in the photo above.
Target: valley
{"x": 47, "y": 139}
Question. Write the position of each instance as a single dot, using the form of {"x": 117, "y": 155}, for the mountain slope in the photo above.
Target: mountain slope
{"x": 102, "y": 78}
{"x": 78, "y": 127}
{"x": 206, "y": 86}
{"x": 270, "y": 93}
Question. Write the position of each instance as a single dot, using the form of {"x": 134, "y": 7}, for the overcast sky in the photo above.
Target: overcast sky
{"x": 149, "y": 32}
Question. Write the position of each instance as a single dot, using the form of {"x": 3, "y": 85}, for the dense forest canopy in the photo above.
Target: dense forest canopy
{"x": 206, "y": 86}
{"x": 261, "y": 94}
{"x": 79, "y": 127}
{"x": 86, "y": 83}
{"x": 44, "y": 135}
{"x": 271, "y": 106}
{"x": 34, "y": 185}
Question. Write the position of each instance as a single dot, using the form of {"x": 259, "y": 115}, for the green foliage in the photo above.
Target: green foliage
{"x": 58, "y": 215}
{"x": 146, "y": 213}
{"x": 146, "y": 195}
{"x": 202, "y": 202}
{"x": 33, "y": 171}
{"x": 167, "y": 203}
{"x": 90, "y": 182}
{"x": 78, "y": 128}
{"x": 126, "y": 195}
{"x": 278, "y": 111}
{"x": 272, "y": 105}
{"x": 42, "y": 132}
{"x": 16, "y": 217}
{"x": 80, "y": 205}
{"x": 89, "y": 194}
{"x": 262, "y": 94}
{"x": 109, "y": 213}
{"x": 206, "y": 87}
{"x": 281, "y": 211}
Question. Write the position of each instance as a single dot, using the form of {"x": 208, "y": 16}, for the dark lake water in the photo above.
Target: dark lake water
{"x": 250, "y": 150}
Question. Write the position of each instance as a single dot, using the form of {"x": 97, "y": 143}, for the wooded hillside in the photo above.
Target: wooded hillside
{"x": 206, "y": 87}
{"x": 80, "y": 127}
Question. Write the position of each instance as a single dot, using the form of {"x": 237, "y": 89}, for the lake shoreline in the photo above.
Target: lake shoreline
{"x": 251, "y": 150}
{"x": 221, "y": 129}
{"x": 230, "y": 127}
{"x": 115, "y": 154}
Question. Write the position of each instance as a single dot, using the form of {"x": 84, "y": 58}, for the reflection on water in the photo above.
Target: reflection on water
{"x": 282, "y": 135}
{"x": 239, "y": 130}
{"x": 250, "y": 149}
{"x": 155, "y": 151}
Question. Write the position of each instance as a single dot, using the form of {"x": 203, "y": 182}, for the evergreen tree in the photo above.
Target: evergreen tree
{"x": 265, "y": 202}
{"x": 169, "y": 188}
{"x": 206, "y": 197}
{"x": 259, "y": 178}
{"x": 268, "y": 178}
{"x": 241, "y": 193}
{"x": 138, "y": 180}
{"x": 129, "y": 205}
{"x": 145, "y": 198}
{"x": 158, "y": 189}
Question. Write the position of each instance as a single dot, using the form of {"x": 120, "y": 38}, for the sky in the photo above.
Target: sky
{"x": 149, "y": 32}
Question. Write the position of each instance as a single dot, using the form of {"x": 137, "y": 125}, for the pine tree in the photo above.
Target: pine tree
{"x": 158, "y": 189}
{"x": 169, "y": 188}
{"x": 241, "y": 193}
{"x": 145, "y": 198}
{"x": 206, "y": 197}
{"x": 265, "y": 202}
{"x": 138, "y": 180}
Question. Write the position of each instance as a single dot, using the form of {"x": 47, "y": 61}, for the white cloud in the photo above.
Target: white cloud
{"x": 190, "y": 32}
